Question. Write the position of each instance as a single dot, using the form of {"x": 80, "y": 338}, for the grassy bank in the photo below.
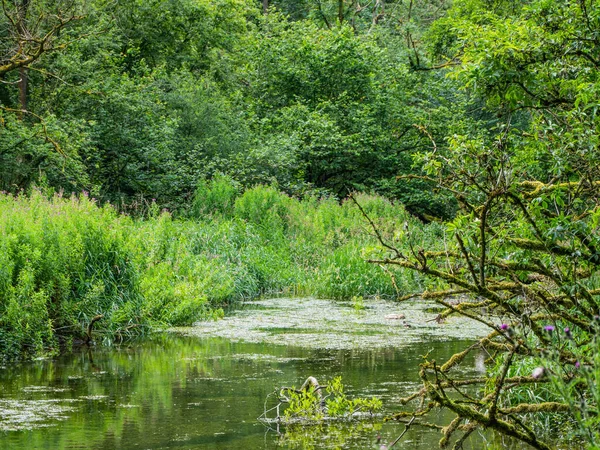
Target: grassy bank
{"x": 65, "y": 261}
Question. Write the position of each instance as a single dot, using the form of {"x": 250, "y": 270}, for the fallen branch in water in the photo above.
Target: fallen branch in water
{"x": 90, "y": 328}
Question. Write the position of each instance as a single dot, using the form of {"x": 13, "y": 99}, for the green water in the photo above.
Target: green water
{"x": 206, "y": 391}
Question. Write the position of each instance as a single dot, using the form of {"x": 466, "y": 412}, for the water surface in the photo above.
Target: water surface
{"x": 207, "y": 389}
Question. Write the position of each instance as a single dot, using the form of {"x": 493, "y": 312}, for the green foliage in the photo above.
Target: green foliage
{"x": 66, "y": 261}
{"x": 150, "y": 120}
{"x": 330, "y": 401}
{"x": 345, "y": 271}
{"x": 358, "y": 303}
{"x": 525, "y": 242}
{"x": 148, "y": 105}
{"x": 338, "y": 404}
{"x": 27, "y": 156}
{"x": 265, "y": 207}
{"x": 180, "y": 33}
{"x": 336, "y": 111}
{"x": 217, "y": 195}
{"x": 574, "y": 383}
{"x": 228, "y": 117}
{"x": 305, "y": 405}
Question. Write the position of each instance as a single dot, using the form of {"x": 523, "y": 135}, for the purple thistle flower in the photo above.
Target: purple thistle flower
{"x": 504, "y": 327}
{"x": 568, "y": 333}
{"x": 549, "y": 328}
{"x": 577, "y": 365}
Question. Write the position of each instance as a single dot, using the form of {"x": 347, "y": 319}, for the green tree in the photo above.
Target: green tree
{"x": 525, "y": 245}
{"x": 337, "y": 111}
{"x": 195, "y": 34}
{"x": 31, "y": 31}
{"x": 144, "y": 93}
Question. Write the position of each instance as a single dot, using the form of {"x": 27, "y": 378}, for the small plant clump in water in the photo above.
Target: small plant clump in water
{"x": 316, "y": 403}
{"x": 358, "y": 303}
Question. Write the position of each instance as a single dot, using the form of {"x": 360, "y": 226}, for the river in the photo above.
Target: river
{"x": 204, "y": 387}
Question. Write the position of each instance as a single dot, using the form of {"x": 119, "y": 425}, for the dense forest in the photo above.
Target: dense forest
{"x": 134, "y": 101}
{"x": 160, "y": 159}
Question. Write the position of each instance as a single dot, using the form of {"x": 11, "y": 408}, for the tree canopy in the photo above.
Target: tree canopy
{"x": 145, "y": 99}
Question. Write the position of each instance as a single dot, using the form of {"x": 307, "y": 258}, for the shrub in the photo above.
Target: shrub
{"x": 66, "y": 261}
{"x": 215, "y": 196}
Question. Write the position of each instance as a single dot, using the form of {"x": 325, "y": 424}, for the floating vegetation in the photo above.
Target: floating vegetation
{"x": 218, "y": 387}
{"x": 75, "y": 377}
{"x": 44, "y": 389}
{"x": 314, "y": 323}
{"x": 16, "y": 415}
{"x": 93, "y": 397}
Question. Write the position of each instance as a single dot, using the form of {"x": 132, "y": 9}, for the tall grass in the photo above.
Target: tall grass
{"x": 64, "y": 261}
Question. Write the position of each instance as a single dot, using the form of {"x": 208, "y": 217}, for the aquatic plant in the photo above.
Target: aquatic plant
{"x": 313, "y": 402}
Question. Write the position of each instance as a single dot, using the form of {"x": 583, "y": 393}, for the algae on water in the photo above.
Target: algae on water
{"x": 314, "y": 323}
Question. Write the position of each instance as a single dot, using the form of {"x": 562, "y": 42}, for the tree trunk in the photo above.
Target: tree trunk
{"x": 265, "y": 6}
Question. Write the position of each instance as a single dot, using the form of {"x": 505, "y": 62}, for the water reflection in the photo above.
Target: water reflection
{"x": 207, "y": 390}
{"x": 180, "y": 392}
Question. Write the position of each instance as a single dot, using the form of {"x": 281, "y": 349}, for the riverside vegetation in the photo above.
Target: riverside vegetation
{"x": 66, "y": 261}
{"x": 480, "y": 117}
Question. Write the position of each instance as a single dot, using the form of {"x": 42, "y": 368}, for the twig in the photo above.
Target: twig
{"x": 406, "y": 427}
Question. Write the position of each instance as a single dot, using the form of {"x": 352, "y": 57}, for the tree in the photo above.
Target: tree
{"x": 30, "y": 30}
{"x": 338, "y": 111}
{"x": 136, "y": 88}
{"x": 526, "y": 245}
{"x": 29, "y": 146}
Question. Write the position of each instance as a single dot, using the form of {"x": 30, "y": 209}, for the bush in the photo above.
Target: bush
{"x": 64, "y": 262}
{"x": 215, "y": 196}
{"x": 265, "y": 207}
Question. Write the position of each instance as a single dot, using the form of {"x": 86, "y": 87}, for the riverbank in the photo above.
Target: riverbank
{"x": 66, "y": 263}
